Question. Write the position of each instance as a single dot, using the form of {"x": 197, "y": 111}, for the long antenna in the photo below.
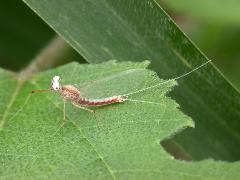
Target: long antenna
{"x": 150, "y": 87}
{"x": 41, "y": 90}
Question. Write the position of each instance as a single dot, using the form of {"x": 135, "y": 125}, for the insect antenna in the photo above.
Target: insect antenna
{"x": 40, "y": 90}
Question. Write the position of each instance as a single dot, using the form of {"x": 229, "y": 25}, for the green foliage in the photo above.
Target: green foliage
{"x": 214, "y": 27}
{"x": 137, "y": 30}
{"x": 119, "y": 141}
{"x": 221, "y": 44}
{"x": 224, "y": 12}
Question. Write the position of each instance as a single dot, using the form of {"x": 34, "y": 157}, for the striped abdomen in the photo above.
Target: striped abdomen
{"x": 100, "y": 102}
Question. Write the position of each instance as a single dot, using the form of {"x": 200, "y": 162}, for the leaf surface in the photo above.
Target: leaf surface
{"x": 119, "y": 141}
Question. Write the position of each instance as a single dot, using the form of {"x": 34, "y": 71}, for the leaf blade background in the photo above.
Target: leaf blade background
{"x": 33, "y": 146}
{"x": 211, "y": 11}
{"x": 215, "y": 30}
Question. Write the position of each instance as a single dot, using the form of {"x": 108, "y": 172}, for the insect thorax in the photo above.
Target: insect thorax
{"x": 69, "y": 92}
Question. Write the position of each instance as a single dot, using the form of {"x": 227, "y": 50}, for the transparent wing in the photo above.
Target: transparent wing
{"x": 116, "y": 84}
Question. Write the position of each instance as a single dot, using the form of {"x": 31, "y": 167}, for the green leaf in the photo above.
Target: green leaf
{"x": 221, "y": 43}
{"x": 119, "y": 141}
{"x": 224, "y": 12}
{"x": 137, "y": 30}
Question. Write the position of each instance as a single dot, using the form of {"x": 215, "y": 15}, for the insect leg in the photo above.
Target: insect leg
{"x": 64, "y": 110}
{"x": 84, "y": 108}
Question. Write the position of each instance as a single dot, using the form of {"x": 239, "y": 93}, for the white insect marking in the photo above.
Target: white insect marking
{"x": 55, "y": 83}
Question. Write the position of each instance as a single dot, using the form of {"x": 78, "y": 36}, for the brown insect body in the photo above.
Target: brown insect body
{"x": 71, "y": 93}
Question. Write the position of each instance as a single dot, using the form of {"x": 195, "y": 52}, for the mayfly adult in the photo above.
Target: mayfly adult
{"x": 70, "y": 93}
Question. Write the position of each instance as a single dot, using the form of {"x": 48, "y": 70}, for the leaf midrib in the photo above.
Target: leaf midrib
{"x": 11, "y": 102}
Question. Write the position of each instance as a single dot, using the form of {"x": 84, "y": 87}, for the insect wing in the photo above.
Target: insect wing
{"x": 115, "y": 84}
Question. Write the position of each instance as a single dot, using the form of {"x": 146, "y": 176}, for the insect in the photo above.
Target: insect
{"x": 72, "y": 94}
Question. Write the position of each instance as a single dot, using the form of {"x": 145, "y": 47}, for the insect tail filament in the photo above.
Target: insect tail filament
{"x": 142, "y": 101}
{"x": 167, "y": 81}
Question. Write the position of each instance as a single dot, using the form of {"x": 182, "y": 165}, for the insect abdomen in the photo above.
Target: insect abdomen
{"x": 100, "y": 102}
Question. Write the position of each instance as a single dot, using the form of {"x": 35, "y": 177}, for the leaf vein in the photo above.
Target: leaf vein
{"x": 13, "y": 98}
{"x": 111, "y": 172}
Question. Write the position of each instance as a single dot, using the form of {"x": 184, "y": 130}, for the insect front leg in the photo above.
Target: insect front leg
{"x": 84, "y": 108}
